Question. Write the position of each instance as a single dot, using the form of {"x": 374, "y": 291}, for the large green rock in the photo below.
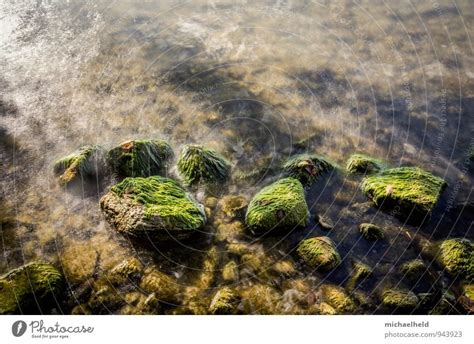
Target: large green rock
{"x": 456, "y": 256}
{"x": 407, "y": 192}
{"x": 154, "y": 207}
{"x": 140, "y": 158}
{"x": 88, "y": 162}
{"x": 279, "y": 206}
{"x": 28, "y": 288}
{"x": 319, "y": 253}
{"x": 200, "y": 164}
{"x": 306, "y": 167}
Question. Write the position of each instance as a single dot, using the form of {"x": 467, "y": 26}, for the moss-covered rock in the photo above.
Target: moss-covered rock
{"x": 407, "y": 192}
{"x": 165, "y": 288}
{"x": 456, "y": 256}
{"x": 28, "y": 287}
{"x": 360, "y": 163}
{"x": 413, "y": 269}
{"x": 306, "y": 167}
{"x": 200, "y": 164}
{"x": 229, "y": 231}
{"x": 153, "y": 207}
{"x": 399, "y": 299}
{"x": 359, "y": 272}
{"x": 279, "y": 206}
{"x": 87, "y": 163}
{"x": 224, "y": 301}
{"x": 371, "y": 232}
{"x": 284, "y": 267}
{"x": 319, "y": 253}
{"x": 140, "y": 158}
{"x": 337, "y": 298}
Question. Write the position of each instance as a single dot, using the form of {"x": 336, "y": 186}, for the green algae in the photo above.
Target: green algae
{"x": 456, "y": 256}
{"x": 87, "y": 162}
{"x": 360, "y": 163}
{"x": 200, "y": 164}
{"x": 280, "y": 205}
{"x": 163, "y": 198}
{"x": 406, "y": 191}
{"x": 319, "y": 253}
{"x": 371, "y": 232}
{"x": 28, "y": 286}
{"x": 140, "y": 158}
{"x": 307, "y": 168}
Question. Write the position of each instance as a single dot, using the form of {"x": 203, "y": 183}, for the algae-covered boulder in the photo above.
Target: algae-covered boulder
{"x": 200, "y": 164}
{"x": 28, "y": 287}
{"x": 407, "y": 192}
{"x": 319, "y": 253}
{"x": 140, "y": 158}
{"x": 279, "y": 206}
{"x": 399, "y": 299}
{"x": 224, "y": 301}
{"x": 155, "y": 207}
{"x": 87, "y": 163}
{"x": 371, "y": 232}
{"x": 306, "y": 167}
{"x": 337, "y": 298}
{"x": 360, "y": 163}
{"x": 456, "y": 256}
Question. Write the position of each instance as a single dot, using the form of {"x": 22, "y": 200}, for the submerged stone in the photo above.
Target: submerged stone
{"x": 279, "y": 206}
{"x": 154, "y": 207}
{"x": 359, "y": 272}
{"x": 200, "y": 164}
{"x": 224, "y": 301}
{"x": 140, "y": 158}
{"x": 306, "y": 167}
{"x": 408, "y": 192}
{"x": 260, "y": 299}
{"x": 230, "y": 272}
{"x": 456, "y": 256}
{"x": 29, "y": 286}
{"x": 360, "y": 163}
{"x": 413, "y": 269}
{"x": 164, "y": 287}
{"x": 401, "y": 299}
{"x": 319, "y": 253}
{"x": 87, "y": 163}
{"x": 337, "y": 298}
{"x": 234, "y": 206}
{"x": 371, "y": 232}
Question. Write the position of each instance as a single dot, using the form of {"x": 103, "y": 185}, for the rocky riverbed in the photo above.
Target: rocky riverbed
{"x": 236, "y": 158}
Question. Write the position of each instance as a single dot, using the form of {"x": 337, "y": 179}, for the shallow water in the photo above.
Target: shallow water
{"x": 258, "y": 81}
